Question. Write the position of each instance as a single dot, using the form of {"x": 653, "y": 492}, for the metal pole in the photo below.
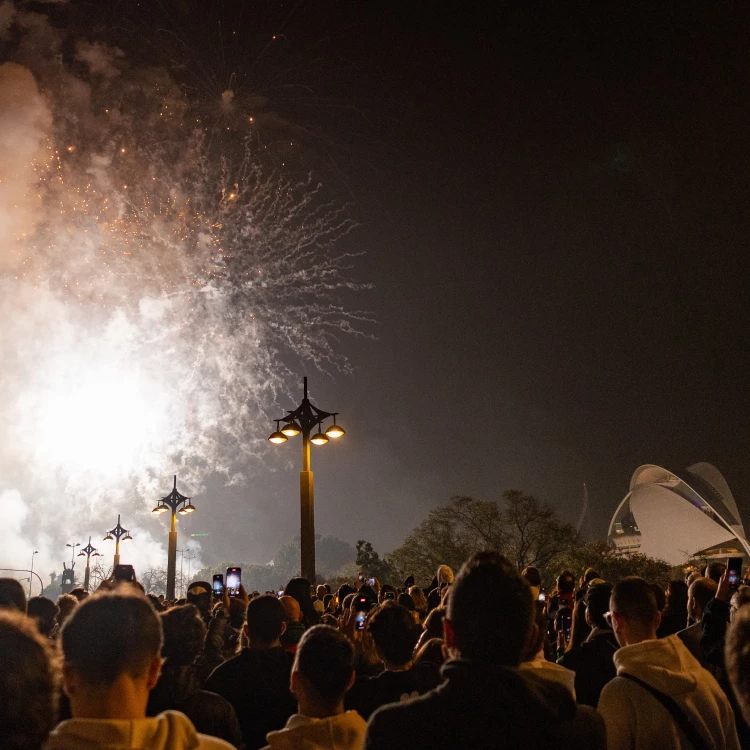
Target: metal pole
{"x": 117, "y": 548}
{"x": 172, "y": 555}
{"x": 307, "y": 510}
{"x": 31, "y": 576}
{"x": 182, "y": 577}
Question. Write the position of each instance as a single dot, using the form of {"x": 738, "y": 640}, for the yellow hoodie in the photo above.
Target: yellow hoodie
{"x": 170, "y": 730}
{"x": 341, "y": 732}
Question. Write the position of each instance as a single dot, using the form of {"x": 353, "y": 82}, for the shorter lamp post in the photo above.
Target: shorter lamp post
{"x": 31, "y": 572}
{"x": 172, "y": 502}
{"x": 72, "y": 553}
{"x": 88, "y": 552}
{"x": 117, "y": 533}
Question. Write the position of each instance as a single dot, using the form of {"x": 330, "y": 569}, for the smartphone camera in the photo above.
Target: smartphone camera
{"x": 360, "y": 620}
{"x": 218, "y": 584}
{"x": 280, "y": 593}
{"x": 389, "y": 595}
{"x": 234, "y": 577}
{"x": 734, "y": 572}
{"x": 370, "y": 581}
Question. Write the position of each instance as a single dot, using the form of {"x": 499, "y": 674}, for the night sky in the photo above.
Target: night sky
{"x": 553, "y": 207}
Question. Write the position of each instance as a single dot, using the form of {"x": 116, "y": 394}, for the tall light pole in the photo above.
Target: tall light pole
{"x": 88, "y": 552}
{"x": 304, "y": 419}
{"x": 190, "y": 559}
{"x": 172, "y": 502}
{"x": 31, "y": 572}
{"x": 72, "y": 553}
{"x": 117, "y": 533}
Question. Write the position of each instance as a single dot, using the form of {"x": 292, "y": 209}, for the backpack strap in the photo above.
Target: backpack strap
{"x": 692, "y": 735}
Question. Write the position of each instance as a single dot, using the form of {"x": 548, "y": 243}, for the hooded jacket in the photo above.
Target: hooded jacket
{"x": 483, "y": 707}
{"x": 167, "y": 731}
{"x": 342, "y": 732}
{"x": 636, "y": 719}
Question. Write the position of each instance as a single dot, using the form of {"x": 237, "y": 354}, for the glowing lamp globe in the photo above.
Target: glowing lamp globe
{"x": 108, "y": 538}
{"x": 81, "y": 554}
{"x": 127, "y": 537}
{"x": 319, "y": 439}
{"x": 277, "y": 437}
{"x": 291, "y": 429}
{"x": 334, "y": 431}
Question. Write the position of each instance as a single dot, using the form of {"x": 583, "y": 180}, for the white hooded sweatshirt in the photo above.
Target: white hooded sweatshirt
{"x": 170, "y": 730}
{"x": 341, "y": 732}
{"x": 635, "y": 719}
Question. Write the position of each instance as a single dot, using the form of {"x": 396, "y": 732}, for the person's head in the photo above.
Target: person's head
{"x": 489, "y": 596}
{"x": 299, "y": 588}
{"x": 532, "y": 575}
{"x": 694, "y": 576}
{"x": 343, "y": 592}
{"x": 589, "y": 575}
{"x": 292, "y": 611}
{"x": 597, "y": 604}
{"x": 11, "y": 595}
{"x": 406, "y": 601}
{"x": 739, "y": 599}
{"x": 677, "y": 597}
{"x": 111, "y": 647}
{"x": 328, "y": 602}
{"x": 184, "y": 632}
{"x": 44, "y": 612}
{"x": 323, "y": 671}
{"x": 79, "y": 593}
{"x": 28, "y": 684}
{"x": 387, "y": 592}
{"x": 419, "y": 599}
{"x": 715, "y": 570}
{"x": 431, "y": 651}
{"x": 566, "y": 583}
{"x": 737, "y": 658}
{"x": 635, "y": 616}
{"x": 536, "y": 644}
{"x": 321, "y": 592}
{"x": 199, "y": 595}
{"x": 433, "y": 624}
{"x": 264, "y": 621}
{"x": 408, "y": 583}
{"x": 700, "y": 593}
{"x": 394, "y": 634}
{"x": 346, "y": 602}
{"x": 444, "y": 575}
{"x": 65, "y": 604}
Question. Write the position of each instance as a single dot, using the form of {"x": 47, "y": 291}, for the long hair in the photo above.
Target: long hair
{"x": 299, "y": 589}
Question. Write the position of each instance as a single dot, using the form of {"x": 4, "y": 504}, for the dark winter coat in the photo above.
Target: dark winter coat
{"x": 595, "y": 666}
{"x": 178, "y": 689}
{"x": 256, "y": 683}
{"x": 487, "y": 707}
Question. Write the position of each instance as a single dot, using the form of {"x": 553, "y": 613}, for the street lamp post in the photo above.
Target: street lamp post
{"x": 172, "y": 502}
{"x": 304, "y": 419}
{"x": 31, "y": 572}
{"x": 117, "y": 533}
{"x": 72, "y": 553}
{"x": 88, "y": 552}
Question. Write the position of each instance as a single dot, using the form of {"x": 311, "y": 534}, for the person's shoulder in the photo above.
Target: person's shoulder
{"x": 206, "y": 742}
{"x": 396, "y": 716}
{"x": 587, "y": 729}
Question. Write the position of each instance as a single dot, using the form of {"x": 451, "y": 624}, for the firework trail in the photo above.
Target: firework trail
{"x": 153, "y": 291}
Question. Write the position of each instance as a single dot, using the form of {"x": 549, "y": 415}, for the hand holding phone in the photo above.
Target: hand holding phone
{"x": 360, "y": 620}
{"x": 734, "y": 571}
{"x": 218, "y": 585}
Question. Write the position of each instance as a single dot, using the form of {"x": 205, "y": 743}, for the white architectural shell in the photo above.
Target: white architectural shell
{"x": 666, "y": 517}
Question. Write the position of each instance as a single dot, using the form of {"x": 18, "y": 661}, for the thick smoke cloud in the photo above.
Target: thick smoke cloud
{"x": 151, "y": 284}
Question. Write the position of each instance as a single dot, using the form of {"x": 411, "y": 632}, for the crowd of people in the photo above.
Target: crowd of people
{"x": 485, "y": 659}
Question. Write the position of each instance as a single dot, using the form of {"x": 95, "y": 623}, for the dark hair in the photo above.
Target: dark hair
{"x": 431, "y": 651}
{"x": 659, "y": 595}
{"x": 737, "y": 658}
{"x": 433, "y": 623}
{"x": 597, "y": 603}
{"x": 111, "y": 634}
{"x": 11, "y": 595}
{"x": 184, "y": 632}
{"x": 634, "y": 599}
{"x": 590, "y": 575}
{"x": 347, "y": 601}
{"x": 65, "y": 604}
{"x": 329, "y": 620}
{"x": 327, "y": 599}
{"x": 531, "y": 574}
{"x": 579, "y": 628}
{"x": 566, "y": 582}
{"x": 409, "y": 582}
{"x": 677, "y": 596}
{"x": 702, "y": 590}
{"x": 405, "y": 600}
{"x": 299, "y": 589}
{"x": 44, "y": 611}
{"x": 489, "y": 596}
{"x": 344, "y": 591}
{"x": 79, "y": 593}
{"x": 265, "y": 618}
{"x": 325, "y": 658}
{"x": 715, "y": 570}
{"x": 393, "y": 632}
{"x": 28, "y": 685}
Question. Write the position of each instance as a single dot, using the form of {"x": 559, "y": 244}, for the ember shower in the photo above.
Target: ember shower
{"x": 153, "y": 280}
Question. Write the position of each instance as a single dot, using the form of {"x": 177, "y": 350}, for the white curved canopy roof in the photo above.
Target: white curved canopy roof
{"x": 673, "y": 519}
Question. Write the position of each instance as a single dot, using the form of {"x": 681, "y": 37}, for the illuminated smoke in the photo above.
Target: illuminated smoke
{"x": 152, "y": 287}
